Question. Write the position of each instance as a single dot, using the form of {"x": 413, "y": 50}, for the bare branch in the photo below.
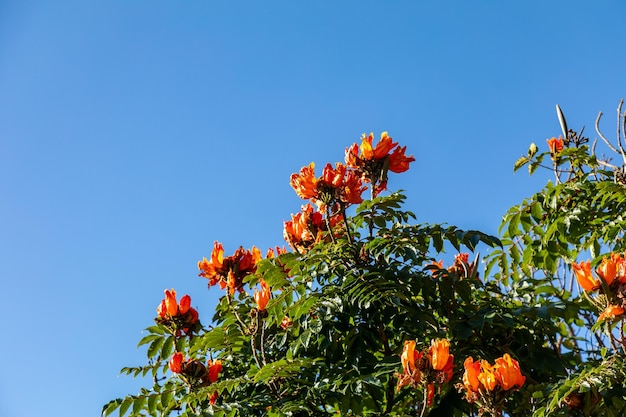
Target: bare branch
{"x": 613, "y": 148}
{"x": 619, "y": 130}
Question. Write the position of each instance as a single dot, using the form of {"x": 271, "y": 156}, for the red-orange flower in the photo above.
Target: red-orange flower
{"x": 262, "y": 297}
{"x": 336, "y": 185}
{"x": 176, "y": 362}
{"x": 305, "y": 183}
{"x": 480, "y": 377}
{"x": 408, "y": 356}
{"x": 171, "y": 305}
{"x": 439, "y": 353}
{"x": 508, "y": 374}
{"x": 271, "y": 253}
{"x": 178, "y": 317}
{"x": 487, "y": 376}
{"x": 213, "y": 370}
{"x": 304, "y": 229}
{"x": 382, "y": 148}
{"x": 373, "y": 162}
{"x": 184, "y": 305}
{"x": 470, "y": 377}
{"x": 610, "y": 313}
{"x": 584, "y": 277}
{"x": 436, "y": 266}
{"x": 555, "y": 144}
{"x": 608, "y": 269}
{"x": 231, "y": 270}
{"x": 398, "y": 161}
{"x": 430, "y": 394}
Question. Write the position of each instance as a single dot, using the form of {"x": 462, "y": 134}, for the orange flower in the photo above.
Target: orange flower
{"x": 382, "y": 148}
{"x": 439, "y": 353}
{"x": 621, "y": 269}
{"x": 448, "y": 370}
{"x": 461, "y": 258}
{"x": 162, "y": 310}
{"x": 374, "y": 162}
{"x": 430, "y": 394}
{"x": 214, "y": 269}
{"x": 352, "y": 189}
{"x": 470, "y": 377}
{"x": 352, "y": 156}
{"x": 608, "y": 268}
{"x": 263, "y": 296}
{"x": 271, "y": 253}
{"x": 398, "y": 161}
{"x": 507, "y": 372}
{"x": 305, "y": 183}
{"x": 438, "y": 266}
{"x": 610, "y": 313}
{"x": 171, "y": 306}
{"x": 185, "y": 304}
{"x": 176, "y": 363}
{"x": 304, "y": 229}
{"x": 336, "y": 185}
{"x": 213, "y": 370}
{"x": 408, "y": 357}
{"x": 555, "y": 145}
{"x": 231, "y": 270}
{"x": 584, "y": 277}
{"x": 487, "y": 377}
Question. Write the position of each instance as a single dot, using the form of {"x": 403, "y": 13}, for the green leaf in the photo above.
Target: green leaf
{"x": 168, "y": 347}
{"x": 520, "y": 163}
{"x": 149, "y": 338}
{"x": 111, "y": 406}
{"x": 152, "y": 404}
{"x": 155, "y": 347}
{"x": 138, "y": 404}
{"x": 128, "y": 401}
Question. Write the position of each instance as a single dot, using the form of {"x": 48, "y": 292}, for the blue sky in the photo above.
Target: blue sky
{"x": 134, "y": 134}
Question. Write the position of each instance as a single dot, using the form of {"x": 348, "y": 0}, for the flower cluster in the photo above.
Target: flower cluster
{"x": 178, "y": 317}
{"x": 336, "y": 186}
{"x": 487, "y": 384}
{"x": 426, "y": 368}
{"x": 611, "y": 283}
{"x": 231, "y": 270}
{"x": 304, "y": 229}
{"x": 195, "y": 373}
{"x": 461, "y": 267}
{"x": 373, "y": 162}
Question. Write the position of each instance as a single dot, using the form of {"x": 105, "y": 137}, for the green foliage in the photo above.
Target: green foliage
{"x": 330, "y": 339}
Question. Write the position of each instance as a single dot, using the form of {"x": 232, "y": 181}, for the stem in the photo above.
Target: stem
{"x": 328, "y": 226}
{"x": 262, "y": 324}
{"x": 242, "y": 325}
{"x": 345, "y": 220}
{"x": 424, "y": 404}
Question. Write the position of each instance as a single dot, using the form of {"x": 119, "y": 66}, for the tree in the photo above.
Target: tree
{"x": 362, "y": 318}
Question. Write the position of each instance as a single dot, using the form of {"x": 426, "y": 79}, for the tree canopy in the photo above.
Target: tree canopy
{"x": 369, "y": 313}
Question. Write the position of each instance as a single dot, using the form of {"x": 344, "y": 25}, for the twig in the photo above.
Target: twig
{"x": 619, "y": 130}
{"x": 613, "y": 148}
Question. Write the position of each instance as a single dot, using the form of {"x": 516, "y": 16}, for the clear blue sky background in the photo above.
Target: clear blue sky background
{"x": 135, "y": 133}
